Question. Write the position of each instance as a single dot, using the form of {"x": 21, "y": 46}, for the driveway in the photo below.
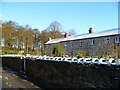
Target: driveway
{"x": 10, "y": 79}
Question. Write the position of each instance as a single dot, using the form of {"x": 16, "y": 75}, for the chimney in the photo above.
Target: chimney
{"x": 49, "y": 38}
{"x": 66, "y": 35}
{"x": 91, "y": 30}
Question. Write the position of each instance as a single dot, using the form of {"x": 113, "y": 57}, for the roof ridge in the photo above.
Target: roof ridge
{"x": 86, "y": 35}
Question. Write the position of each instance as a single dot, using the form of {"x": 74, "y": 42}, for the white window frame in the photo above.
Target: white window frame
{"x": 92, "y": 42}
{"x": 92, "y": 53}
{"x": 117, "y": 39}
{"x": 65, "y": 44}
{"x": 71, "y": 44}
{"x": 106, "y": 40}
{"x": 46, "y": 46}
{"x": 80, "y": 43}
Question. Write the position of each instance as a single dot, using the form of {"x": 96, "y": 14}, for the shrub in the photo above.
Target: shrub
{"x": 88, "y": 57}
{"x": 111, "y": 51}
{"x": 95, "y": 56}
{"x": 57, "y": 50}
{"x": 80, "y": 54}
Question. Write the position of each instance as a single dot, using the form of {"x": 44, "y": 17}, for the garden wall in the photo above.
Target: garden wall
{"x": 63, "y": 74}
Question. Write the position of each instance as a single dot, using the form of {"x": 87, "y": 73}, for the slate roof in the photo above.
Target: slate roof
{"x": 114, "y": 31}
{"x": 54, "y": 41}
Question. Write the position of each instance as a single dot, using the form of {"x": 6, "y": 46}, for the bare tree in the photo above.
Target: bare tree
{"x": 17, "y": 38}
{"x": 55, "y": 26}
{"x": 37, "y": 40}
{"x": 72, "y": 32}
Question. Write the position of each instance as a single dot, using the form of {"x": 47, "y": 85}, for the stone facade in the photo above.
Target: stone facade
{"x": 92, "y": 46}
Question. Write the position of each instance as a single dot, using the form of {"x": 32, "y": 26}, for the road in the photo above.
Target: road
{"x": 10, "y": 79}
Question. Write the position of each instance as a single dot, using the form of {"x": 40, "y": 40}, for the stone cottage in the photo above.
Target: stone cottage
{"x": 93, "y": 43}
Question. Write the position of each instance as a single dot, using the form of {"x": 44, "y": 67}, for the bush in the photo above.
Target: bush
{"x": 88, "y": 57}
{"x": 95, "y": 56}
{"x": 80, "y": 54}
{"x": 57, "y": 50}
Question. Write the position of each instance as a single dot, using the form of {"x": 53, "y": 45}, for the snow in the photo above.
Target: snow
{"x": 86, "y": 35}
{"x": 72, "y": 60}
{"x": 54, "y": 41}
{"x": 11, "y": 55}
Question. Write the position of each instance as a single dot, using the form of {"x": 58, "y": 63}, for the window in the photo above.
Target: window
{"x": 106, "y": 40}
{"x": 71, "y": 44}
{"x": 91, "y": 53}
{"x": 65, "y": 44}
{"x": 117, "y": 39}
{"x": 46, "y": 47}
{"x": 80, "y": 44}
{"x": 72, "y": 52}
{"x": 92, "y": 42}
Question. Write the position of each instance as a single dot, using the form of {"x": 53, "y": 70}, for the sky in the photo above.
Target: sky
{"x": 60, "y": 0}
{"x": 79, "y": 16}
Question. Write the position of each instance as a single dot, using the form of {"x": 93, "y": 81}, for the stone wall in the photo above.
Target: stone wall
{"x": 63, "y": 74}
{"x": 13, "y": 63}
{"x": 48, "y": 49}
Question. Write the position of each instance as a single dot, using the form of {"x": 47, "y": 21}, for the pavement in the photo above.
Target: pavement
{"x": 10, "y": 79}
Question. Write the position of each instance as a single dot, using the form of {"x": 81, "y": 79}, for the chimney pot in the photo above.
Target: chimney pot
{"x": 49, "y": 38}
{"x": 91, "y": 30}
{"x": 66, "y": 35}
